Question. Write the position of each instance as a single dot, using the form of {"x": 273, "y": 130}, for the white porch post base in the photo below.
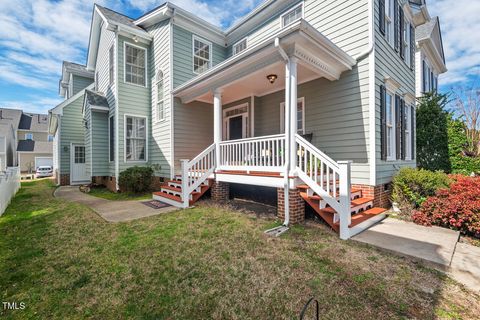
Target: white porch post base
{"x": 345, "y": 187}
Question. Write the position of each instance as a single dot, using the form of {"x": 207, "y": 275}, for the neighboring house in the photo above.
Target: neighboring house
{"x": 312, "y": 98}
{"x": 9, "y": 120}
{"x": 429, "y": 56}
{"x": 35, "y": 144}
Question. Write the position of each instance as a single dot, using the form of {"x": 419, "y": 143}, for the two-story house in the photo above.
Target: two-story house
{"x": 312, "y": 99}
{"x": 24, "y": 140}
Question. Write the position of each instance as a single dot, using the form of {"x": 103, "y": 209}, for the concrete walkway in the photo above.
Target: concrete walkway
{"x": 435, "y": 246}
{"x": 112, "y": 211}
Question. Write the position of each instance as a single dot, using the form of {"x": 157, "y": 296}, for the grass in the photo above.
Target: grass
{"x": 104, "y": 193}
{"x": 64, "y": 262}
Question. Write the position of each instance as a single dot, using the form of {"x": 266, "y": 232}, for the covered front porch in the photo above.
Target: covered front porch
{"x": 277, "y": 152}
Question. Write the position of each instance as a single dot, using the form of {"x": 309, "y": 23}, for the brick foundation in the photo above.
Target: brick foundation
{"x": 64, "y": 179}
{"x": 108, "y": 182}
{"x": 296, "y": 205}
{"x": 220, "y": 191}
{"x": 380, "y": 193}
{"x": 157, "y": 183}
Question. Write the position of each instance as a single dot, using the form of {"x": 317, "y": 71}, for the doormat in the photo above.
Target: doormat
{"x": 155, "y": 204}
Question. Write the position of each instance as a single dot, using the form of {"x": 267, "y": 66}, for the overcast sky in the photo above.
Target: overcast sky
{"x": 37, "y": 35}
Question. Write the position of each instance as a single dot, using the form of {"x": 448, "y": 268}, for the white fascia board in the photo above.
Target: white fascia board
{"x": 249, "y": 16}
{"x": 433, "y": 55}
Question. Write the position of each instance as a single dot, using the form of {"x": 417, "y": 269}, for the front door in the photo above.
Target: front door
{"x": 79, "y": 172}
{"x": 236, "y": 128}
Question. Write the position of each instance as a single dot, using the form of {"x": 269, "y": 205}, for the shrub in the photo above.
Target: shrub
{"x": 136, "y": 179}
{"x": 432, "y": 134}
{"x": 411, "y": 187}
{"x": 457, "y": 208}
{"x": 460, "y": 160}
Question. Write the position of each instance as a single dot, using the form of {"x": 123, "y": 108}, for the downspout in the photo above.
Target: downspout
{"x": 286, "y": 182}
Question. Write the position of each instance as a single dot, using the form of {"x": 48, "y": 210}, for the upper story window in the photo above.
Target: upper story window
{"x": 202, "y": 55}
{"x": 292, "y": 15}
{"x": 135, "y": 138}
{"x": 111, "y": 65}
{"x": 28, "y": 136}
{"x": 135, "y": 65}
{"x": 50, "y": 138}
{"x": 407, "y": 42}
{"x": 160, "y": 108}
{"x": 389, "y": 21}
{"x": 429, "y": 79}
{"x": 240, "y": 46}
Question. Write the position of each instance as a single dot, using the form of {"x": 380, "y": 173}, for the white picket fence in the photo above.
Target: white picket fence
{"x": 9, "y": 185}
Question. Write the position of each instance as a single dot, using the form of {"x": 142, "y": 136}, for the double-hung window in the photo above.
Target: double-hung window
{"x": 390, "y": 108}
{"x": 135, "y": 138}
{"x": 160, "y": 109}
{"x": 292, "y": 15}
{"x": 389, "y": 28}
{"x": 300, "y": 116}
{"x": 240, "y": 46}
{"x": 111, "y": 65}
{"x": 28, "y": 136}
{"x": 202, "y": 55}
{"x": 135, "y": 65}
{"x": 406, "y": 43}
{"x": 408, "y": 131}
{"x": 111, "y": 138}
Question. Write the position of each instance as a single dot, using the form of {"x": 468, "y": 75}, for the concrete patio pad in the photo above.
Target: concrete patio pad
{"x": 465, "y": 266}
{"x": 112, "y": 211}
{"x": 433, "y": 245}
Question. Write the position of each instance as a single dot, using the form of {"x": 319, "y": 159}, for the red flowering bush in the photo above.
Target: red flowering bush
{"x": 457, "y": 208}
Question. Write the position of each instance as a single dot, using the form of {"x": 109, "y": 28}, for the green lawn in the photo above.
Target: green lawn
{"x": 65, "y": 262}
{"x": 109, "y": 195}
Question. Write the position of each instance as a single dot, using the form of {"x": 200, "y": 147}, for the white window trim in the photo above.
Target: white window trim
{"x": 109, "y": 145}
{"x": 157, "y": 119}
{"x": 245, "y": 121}
{"x": 111, "y": 66}
{"x": 28, "y": 134}
{"x": 406, "y": 42}
{"x": 393, "y": 140}
{"x": 289, "y": 11}
{"x": 210, "y": 60}
{"x": 125, "y": 116}
{"x": 125, "y": 44}
{"x": 390, "y": 23}
{"x": 282, "y": 115}
{"x": 237, "y": 43}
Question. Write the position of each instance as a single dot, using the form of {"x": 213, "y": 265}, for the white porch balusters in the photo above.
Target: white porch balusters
{"x": 293, "y": 113}
{"x": 345, "y": 216}
{"x": 217, "y": 124}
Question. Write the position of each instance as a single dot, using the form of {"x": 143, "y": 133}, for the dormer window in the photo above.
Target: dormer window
{"x": 292, "y": 15}
{"x": 202, "y": 55}
{"x": 240, "y": 46}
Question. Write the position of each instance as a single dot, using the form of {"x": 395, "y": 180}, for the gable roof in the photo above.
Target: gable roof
{"x": 431, "y": 33}
{"x": 69, "y": 68}
{"x": 112, "y": 21}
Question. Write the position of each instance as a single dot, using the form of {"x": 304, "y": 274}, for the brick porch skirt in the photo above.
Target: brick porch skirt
{"x": 296, "y": 205}
{"x": 220, "y": 191}
{"x": 380, "y": 193}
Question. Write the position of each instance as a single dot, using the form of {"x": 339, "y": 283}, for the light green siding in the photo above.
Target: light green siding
{"x": 133, "y": 100}
{"x": 193, "y": 129}
{"x": 80, "y": 83}
{"x": 183, "y": 55}
{"x": 389, "y": 64}
{"x": 99, "y": 131}
{"x": 87, "y": 129}
{"x": 160, "y": 143}
{"x": 71, "y": 131}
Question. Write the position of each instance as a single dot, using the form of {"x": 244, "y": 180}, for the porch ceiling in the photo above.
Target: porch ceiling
{"x": 257, "y": 84}
{"x": 245, "y": 74}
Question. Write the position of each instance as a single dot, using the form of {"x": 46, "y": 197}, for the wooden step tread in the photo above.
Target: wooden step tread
{"x": 168, "y": 196}
{"x": 179, "y": 189}
{"x": 306, "y": 187}
{"x": 365, "y": 215}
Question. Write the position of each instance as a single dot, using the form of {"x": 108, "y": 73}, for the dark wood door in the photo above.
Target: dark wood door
{"x": 236, "y": 127}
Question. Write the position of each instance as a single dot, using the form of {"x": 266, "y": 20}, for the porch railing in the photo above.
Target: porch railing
{"x": 265, "y": 153}
{"x": 327, "y": 178}
{"x": 196, "y": 171}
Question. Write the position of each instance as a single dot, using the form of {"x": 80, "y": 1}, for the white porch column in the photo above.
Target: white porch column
{"x": 293, "y": 113}
{"x": 217, "y": 124}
